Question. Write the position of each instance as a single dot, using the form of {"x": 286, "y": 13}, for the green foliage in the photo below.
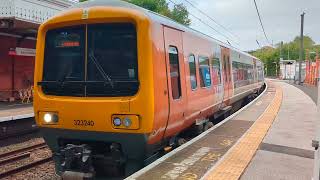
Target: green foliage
{"x": 289, "y": 51}
{"x": 159, "y": 6}
{"x": 179, "y": 12}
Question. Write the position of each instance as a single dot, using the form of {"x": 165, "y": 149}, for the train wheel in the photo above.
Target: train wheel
{"x": 181, "y": 141}
{"x": 199, "y": 129}
{"x": 207, "y": 126}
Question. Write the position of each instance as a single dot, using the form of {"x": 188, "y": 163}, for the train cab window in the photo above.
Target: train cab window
{"x": 193, "y": 75}
{"x": 64, "y": 61}
{"x": 204, "y": 69}
{"x": 112, "y": 57}
{"x": 174, "y": 72}
{"x": 216, "y": 71}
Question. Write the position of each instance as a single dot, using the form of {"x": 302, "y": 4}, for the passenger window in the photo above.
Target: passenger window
{"x": 174, "y": 72}
{"x": 205, "y": 77}
{"x": 192, "y": 68}
{"x": 216, "y": 71}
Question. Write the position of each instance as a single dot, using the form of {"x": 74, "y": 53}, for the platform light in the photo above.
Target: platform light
{"x": 116, "y": 121}
{"x": 127, "y": 122}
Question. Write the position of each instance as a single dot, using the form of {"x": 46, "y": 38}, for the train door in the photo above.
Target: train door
{"x": 226, "y": 69}
{"x": 176, "y": 80}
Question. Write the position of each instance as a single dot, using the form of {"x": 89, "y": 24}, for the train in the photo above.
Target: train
{"x": 115, "y": 84}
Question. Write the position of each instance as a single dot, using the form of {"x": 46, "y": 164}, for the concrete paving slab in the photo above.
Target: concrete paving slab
{"x": 295, "y": 124}
{"x": 286, "y": 151}
{"x": 268, "y": 165}
{"x": 311, "y": 91}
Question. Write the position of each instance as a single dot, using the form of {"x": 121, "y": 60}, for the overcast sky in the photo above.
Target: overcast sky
{"x": 281, "y": 19}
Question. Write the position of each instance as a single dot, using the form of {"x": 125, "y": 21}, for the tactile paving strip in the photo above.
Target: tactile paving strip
{"x": 234, "y": 163}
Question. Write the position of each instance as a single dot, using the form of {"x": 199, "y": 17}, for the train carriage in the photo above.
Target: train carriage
{"x": 115, "y": 84}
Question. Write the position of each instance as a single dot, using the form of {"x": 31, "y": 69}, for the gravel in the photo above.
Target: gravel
{"x": 43, "y": 171}
{"x": 24, "y": 144}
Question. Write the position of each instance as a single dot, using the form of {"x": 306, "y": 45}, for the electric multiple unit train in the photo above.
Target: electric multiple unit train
{"x": 116, "y": 83}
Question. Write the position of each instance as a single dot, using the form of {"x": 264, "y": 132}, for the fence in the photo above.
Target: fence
{"x": 312, "y": 71}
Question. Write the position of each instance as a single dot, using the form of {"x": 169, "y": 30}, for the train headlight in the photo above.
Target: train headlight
{"x": 116, "y": 121}
{"x": 127, "y": 122}
{"x": 49, "y": 117}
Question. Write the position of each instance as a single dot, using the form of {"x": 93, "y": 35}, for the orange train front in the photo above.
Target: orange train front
{"x": 115, "y": 84}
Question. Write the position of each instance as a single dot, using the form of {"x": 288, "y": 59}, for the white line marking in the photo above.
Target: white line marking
{"x": 259, "y": 103}
{"x": 163, "y": 158}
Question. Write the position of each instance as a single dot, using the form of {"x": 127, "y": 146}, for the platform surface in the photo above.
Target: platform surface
{"x": 286, "y": 151}
{"x": 14, "y": 112}
{"x": 270, "y": 139}
{"x": 194, "y": 159}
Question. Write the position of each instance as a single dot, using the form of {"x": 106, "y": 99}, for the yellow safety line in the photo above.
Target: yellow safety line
{"x": 236, "y": 161}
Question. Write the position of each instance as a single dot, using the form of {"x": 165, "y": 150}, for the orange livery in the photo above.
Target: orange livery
{"x": 115, "y": 84}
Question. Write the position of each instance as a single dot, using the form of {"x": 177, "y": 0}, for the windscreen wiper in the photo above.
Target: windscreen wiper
{"x": 105, "y": 76}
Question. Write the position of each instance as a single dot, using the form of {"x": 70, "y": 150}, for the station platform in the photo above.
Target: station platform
{"x": 15, "y": 112}
{"x": 270, "y": 138}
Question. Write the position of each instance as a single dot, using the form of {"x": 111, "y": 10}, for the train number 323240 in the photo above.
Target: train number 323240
{"x": 83, "y": 122}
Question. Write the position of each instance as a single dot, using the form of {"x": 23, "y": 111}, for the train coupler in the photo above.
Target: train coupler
{"x": 76, "y": 162}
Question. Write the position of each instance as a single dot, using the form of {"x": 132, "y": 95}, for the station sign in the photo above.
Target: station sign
{"x": 18, "y": 51}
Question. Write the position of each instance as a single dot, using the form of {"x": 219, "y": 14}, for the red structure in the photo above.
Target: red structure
{"x": 312, "y": 69}
{"x": 16, "y": 69}
{"x": 19, "y": 21}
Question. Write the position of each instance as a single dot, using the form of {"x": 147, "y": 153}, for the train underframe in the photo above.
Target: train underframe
{"x": 95, "y": 154}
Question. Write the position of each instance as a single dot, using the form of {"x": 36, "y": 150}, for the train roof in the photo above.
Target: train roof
{"x": 155, "y": 17}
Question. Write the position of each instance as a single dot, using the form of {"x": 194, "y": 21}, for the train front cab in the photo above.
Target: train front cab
{"x": 82, "y": 109}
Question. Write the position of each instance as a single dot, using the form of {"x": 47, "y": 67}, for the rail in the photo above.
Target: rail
{"x": 20, "y": 154}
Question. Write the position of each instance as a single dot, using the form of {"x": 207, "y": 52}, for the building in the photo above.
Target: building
{"x": 19, "y": 21}
{"x": 288, "y": 69}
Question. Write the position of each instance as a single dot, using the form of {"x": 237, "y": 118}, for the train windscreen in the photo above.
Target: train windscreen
{"x": 94, "y": 60}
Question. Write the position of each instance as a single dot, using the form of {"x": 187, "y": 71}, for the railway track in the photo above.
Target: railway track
{"x": 21, "y": 154}
{"x": 17, "y": 128}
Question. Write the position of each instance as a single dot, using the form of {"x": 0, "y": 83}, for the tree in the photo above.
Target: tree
{"x": 290, "y": 51}
{"x": 179, "y": 12}
{"x": 159, "y": 6}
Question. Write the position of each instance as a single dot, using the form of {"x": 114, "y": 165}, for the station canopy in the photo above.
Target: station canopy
{"x": 23, "y": 17}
